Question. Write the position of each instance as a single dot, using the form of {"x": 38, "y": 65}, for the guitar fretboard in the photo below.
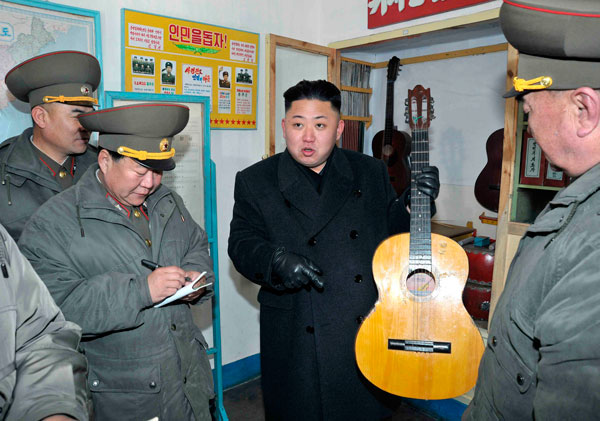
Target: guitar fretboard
{"x": 420, "y": 207}
{"x": 389, "y": 113}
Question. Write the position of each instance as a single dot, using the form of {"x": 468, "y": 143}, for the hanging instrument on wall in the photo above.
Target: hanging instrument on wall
{"x": 487, "y": 186}
{"x": 391, "y": 145}
{"x": 419, "y": 341}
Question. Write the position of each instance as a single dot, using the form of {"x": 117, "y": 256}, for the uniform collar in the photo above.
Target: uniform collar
{"x": 580, "y": 189}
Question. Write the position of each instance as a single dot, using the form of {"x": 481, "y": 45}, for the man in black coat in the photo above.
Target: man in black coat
{"x": 305, "y": 225}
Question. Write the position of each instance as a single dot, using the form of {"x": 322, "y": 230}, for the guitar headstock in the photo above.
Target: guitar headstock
{"x": 393, "y": 68}
{"x": 419, "y": 108}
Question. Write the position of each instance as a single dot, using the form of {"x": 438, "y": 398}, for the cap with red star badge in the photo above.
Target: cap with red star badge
{"x": 143, "y": 132}
{"x": 558, "y": 43}
{"x": 68, "y": 77}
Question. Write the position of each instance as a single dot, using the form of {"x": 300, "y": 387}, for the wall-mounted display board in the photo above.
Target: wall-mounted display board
{"x": 165, "y": 55}
{"x": 31, "y": 28}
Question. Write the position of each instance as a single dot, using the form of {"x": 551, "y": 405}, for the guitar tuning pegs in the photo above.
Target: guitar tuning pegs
{"x": 406, "y": 101}
{"x": 432, "y": 100}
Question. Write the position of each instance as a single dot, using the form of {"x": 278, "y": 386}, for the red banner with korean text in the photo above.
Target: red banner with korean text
{"x": 387, "y": 12}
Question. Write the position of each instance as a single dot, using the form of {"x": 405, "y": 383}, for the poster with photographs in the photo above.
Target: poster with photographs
{"x": 167, "y": 55}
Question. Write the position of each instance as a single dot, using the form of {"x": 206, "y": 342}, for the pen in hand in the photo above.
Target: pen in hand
{"x": 153, "y": 266}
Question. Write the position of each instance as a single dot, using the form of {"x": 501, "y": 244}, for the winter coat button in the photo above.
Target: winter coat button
{"x": 62, "y": 173}
{"x": 360, "y": 319}
{"x": 152, "y": 385}
{"x": 173, "y": 327}
{"x": 184, "y": 380}
{"x": 148, "y": 242}
{"x": 312, "y": 241}
{"x": 520, "y": 379}
{"x": 358, "y": 278}
{"x": 96, "y": 383}
{"x": 354, "y": 234}
{"x": 310, "y": 329}
{"x": 357, "y": 193}
{"x": 494, "y": 341}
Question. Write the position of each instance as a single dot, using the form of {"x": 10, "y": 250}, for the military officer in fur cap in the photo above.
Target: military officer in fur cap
{"x": 542, "y": 359}
{"x": 53, "y": 154}
{"x": 87, "y": 244}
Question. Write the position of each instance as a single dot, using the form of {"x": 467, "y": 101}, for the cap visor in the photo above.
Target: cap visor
{"x": 158, "y": 164}
{"x": 512, "y": 93}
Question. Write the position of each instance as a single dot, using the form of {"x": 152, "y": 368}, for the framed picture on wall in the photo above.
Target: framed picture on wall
{"x": 30, "y": 28}
{"x": 553, "y": 177}
{"x": 533, "y": 162}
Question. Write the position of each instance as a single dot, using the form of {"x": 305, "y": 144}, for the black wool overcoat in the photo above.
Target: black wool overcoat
{"x": 307, "y": 338}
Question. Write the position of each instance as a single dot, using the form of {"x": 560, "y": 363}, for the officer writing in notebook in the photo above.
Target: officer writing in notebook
{"x": 87, "y": 244}
{"x": 542, "y": 357}
{"x": 305, "y": 225}
{"x": 53, "y": 154}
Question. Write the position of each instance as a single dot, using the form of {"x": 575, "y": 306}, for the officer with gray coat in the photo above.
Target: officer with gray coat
{"x": 53, "y": 154}
{"x": 42, "y": 376}
{"x": 542, "y": 359}
{"x": 87, "y": 243}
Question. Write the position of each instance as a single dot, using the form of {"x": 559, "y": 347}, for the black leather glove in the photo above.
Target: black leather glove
{"x": 291, "y": 271}
{"x": 428, "y": 182}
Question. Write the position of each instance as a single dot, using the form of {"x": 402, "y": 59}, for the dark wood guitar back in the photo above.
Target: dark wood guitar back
{"x": 487, "y": 186}
{"x": 391, "y": 145}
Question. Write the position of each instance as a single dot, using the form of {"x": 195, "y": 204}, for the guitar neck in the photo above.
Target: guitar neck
{"x": 420, "y": 205}
{"x": 389, "y": 113}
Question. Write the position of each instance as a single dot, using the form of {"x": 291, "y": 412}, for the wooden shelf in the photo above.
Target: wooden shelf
{"x": 355, "y": 89}
{"x": 534, "y": 187}
{"x": 352, "y": 60}
{"x": 368, "y": 120}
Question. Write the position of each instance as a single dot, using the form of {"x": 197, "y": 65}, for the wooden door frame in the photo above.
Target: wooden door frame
{"x": 272, "y": 42}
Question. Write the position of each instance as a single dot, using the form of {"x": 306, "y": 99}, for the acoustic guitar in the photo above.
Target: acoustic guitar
{"x": 487, "y": 185}
{"x": 419, "y": 341}
{"x": 391, "y": 145}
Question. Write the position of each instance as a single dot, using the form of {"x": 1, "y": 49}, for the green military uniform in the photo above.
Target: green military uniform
{"x": 41, "y": 373}
{"x": 168, "y": 78}
{"x": 28, "y": 177}
{"x": 542, "y": 358}
{"x": 144, "y": 362}
{"x": 27, "y": 181}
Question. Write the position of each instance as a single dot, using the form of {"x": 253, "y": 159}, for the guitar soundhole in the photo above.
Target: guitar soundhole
{"x": 420, "y": 283}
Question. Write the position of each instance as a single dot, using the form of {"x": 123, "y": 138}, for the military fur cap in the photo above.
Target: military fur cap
{"x": 69, "y": 77}
{"x": 143, "y": 132}
{"x": 558, "y": 43}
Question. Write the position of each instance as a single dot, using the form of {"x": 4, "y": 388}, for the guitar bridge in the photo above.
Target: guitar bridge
{"x": 420, "y": 346}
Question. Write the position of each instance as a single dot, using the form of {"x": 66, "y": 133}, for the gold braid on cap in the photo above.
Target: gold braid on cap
{"x": 48, "y": 99}
{"x": 538, "y": 83}
{"x": 144, "y": 155}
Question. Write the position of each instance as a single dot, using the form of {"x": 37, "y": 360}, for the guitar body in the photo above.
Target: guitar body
{"x": 487, "y": 186}
{"x": 419, "y": 341}
{"x": 403, "y": 312}
{"x": 395, "y": 154}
